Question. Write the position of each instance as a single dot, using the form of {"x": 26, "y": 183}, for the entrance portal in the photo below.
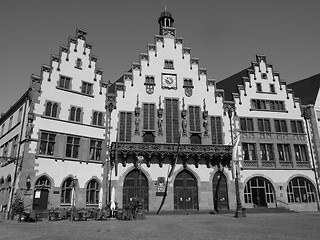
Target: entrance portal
{"x": 259, "y": 192}
{"x": 185, "y": 192}
{"x": 220, "y": 192}
{"x": 136, "y": 186}
{"x": 41, "y": 194}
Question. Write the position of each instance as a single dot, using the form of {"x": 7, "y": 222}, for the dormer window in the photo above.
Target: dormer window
{"x": 259, "y": 87}
{"x": 264, "y": 76}
{"x": 167, "y": 22}
{"x": 272, "y": 88}
{"x": 168, "y": 64}
{"x": 78, "y": 63}
{"x": 149, "y": 80}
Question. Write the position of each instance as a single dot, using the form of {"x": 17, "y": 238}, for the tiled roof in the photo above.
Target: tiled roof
{"x": 306, "y": 89}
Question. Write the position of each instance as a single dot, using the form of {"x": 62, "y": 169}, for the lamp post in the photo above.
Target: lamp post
{"x": 306, "y": 114}
{"x": 230, "y": 109}
{"x": 73, "y": 200}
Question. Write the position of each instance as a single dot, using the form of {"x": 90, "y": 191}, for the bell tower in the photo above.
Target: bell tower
{"x": 165, "y": 20}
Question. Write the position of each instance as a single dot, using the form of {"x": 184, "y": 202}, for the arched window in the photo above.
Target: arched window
{"x": 51, "y": 109}
{"x": 93, "y": 190}
{"x": 9, "y": 180}
{"x": 78, "y": 116}
{"x": 259, "y": 192}
{"x": 66, "y": 191}
{"x": 95, "y": 118}
{"x": 48, "y": 109}
{"x": 43, "y": 182}
{"x": 100, "y": 118}
{"x": 300, "y": 190}
{"x": 72, "y": 114}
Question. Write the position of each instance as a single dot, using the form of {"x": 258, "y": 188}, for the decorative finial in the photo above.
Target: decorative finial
{"x": 137, "y": 100}
{"x": 165, "y": 8}
{"x": 204, "y": 104}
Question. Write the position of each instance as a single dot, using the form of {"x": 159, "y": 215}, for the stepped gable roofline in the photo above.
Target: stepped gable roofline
{"x": 230, "y": 84}
{"x": 306, "y": 89}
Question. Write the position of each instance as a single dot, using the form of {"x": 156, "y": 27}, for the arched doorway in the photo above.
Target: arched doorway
{"x": 136, "y": 186}
{"x": 220, "y": 192}
{"x": 185, "y": 191}
{"x": 259, "y": 192}
{"x": 41, "y": 193}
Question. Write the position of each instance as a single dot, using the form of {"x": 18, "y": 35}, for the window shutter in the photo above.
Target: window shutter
{"x": 60, "y": 146}
{"x": 84, "y": 149}
{"x": 128, "y": 127}
{"x": 197, "y": 119}
{"x": 145, "y": 116}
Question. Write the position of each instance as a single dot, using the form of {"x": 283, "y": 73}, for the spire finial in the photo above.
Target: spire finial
{"x": 165, "y": 7}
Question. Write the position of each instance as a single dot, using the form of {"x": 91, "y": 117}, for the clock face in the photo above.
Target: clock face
{"x": 169, "y": 81}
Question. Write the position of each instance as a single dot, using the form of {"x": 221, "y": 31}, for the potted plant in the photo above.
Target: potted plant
{"x": 17, "y": 207}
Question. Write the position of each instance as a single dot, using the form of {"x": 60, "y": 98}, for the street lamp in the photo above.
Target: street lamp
{"x": 230, "y": 109}
{"x": 28, "y": 182}
{"x": 73, "y": 200}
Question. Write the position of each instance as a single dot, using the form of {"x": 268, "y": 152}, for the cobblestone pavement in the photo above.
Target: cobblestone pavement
{"x": 177, "y": 227}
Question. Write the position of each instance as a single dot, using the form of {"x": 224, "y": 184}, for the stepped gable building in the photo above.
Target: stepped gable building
{"x": 165, "y": 107}
{"x": 276, "y": 164}
{"x": 57, "y": 131}
{"x": 308, "y": 92}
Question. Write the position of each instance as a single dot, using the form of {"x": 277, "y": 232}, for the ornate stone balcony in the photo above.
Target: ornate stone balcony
{"x": 268, "y": 164}
{"x": 286, "y": 164}
{"x": 303, "y": 164}
{"x": 208, "y": 154}
{"x": 250, "y": 164}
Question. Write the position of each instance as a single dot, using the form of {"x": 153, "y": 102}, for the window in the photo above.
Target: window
{"x": 259, "y": 87}
{"x": 47, "y": 143}
{"x": 168, "y": 64}
{"x": 86, "y": 88}
{"x": 272, "y": 88}
{"x": 187, "y": 82}
{"x": 148, "y": 116}
{"x": 300, "y": 190}
{"x": 266, "y": 152}
{"x": 149, "y": 80}
{"x": 172, "y": 120}
{"x": 97, "y": 118}
{"x": 10, "y": 123}
{"x": 271, "y": 105}
{"x": 65, "y": 82}
{"x": 75, "y": 114}
{"x": 73, "y": 145}
{"x": 95, "y": 149}
{"x": 14, "y": 146}
{"x": 125, "y": 126}
{"x": 2, "y": 129}
{"x": 216, "y": 130}
{"x": 301, "y": 153}
{"x": 284, "y": 152}
{"x": 246, "y": 124}
{"x": 43, "y": 182}
{"x": 252, "y": 189}
{"x": 51, "y": 109}
{"x": 5, "y": 150}
{"x": 66, "y": 191}
{"x": 264, "y": 76}
{"x": 264, "y": 125}
{"x": 297, "y": 126}
{"x": 194, "y": 118}
{"x": 93, "y": 190}
{"x": 280, "y": 125}
{"x": 20, "y": 115}
{"x": 249, "y": 151}
{"x": 78, "y": 63}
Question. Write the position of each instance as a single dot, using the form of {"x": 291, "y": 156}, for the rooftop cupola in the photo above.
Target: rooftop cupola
{"x": 165, "y": 20}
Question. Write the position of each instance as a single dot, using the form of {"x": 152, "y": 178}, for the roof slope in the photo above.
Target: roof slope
{"x": 306, "y": 89}
{"x": 230, "y": 84}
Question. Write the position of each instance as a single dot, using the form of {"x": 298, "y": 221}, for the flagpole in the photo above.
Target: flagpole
{"x": 169, "y": 174}
{"x": 230, "y": 109}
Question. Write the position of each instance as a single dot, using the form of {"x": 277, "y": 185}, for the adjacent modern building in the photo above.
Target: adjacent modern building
{"x": 163, "y": 127}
